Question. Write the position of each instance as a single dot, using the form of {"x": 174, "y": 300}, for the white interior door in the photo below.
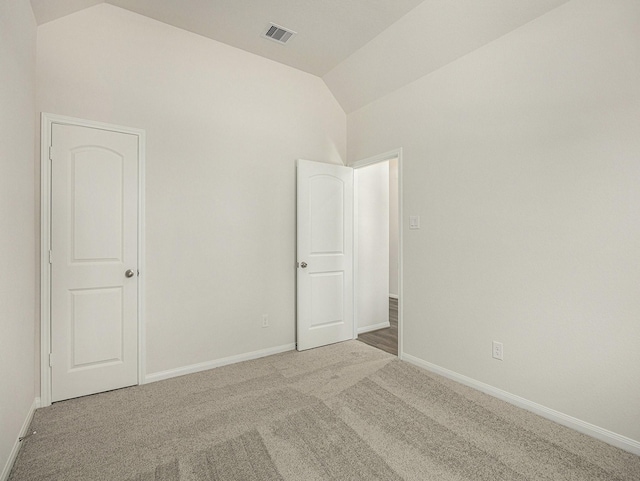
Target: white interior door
{"x": 94, "y": 254}
{"x": 325, "y": 254}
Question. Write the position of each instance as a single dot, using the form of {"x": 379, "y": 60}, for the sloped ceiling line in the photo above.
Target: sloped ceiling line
{"x": 362, "y": 49}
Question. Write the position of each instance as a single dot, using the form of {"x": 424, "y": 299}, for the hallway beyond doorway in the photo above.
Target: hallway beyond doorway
{"x": 385, "y": 339}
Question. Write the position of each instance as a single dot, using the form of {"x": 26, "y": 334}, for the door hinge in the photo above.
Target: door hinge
{"x": 50, "y": 359}
{"x": 51, "y": 152}
{"x": 50, "y": 257}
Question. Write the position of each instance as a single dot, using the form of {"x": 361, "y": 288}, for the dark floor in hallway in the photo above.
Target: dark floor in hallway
{"x": 387, "y": 338}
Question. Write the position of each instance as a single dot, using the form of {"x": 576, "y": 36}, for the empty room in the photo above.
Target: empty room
{"x": 185, "y": 292}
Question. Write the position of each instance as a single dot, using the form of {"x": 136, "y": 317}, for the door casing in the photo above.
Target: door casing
{"x": 47, "y": 121}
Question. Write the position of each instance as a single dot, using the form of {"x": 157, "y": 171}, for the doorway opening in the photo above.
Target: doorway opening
{"x": 377, "y": 244}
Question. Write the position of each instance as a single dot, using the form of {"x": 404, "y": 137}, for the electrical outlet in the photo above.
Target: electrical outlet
{"x": 498, "y": 350}
{"x": 265, "y": 320}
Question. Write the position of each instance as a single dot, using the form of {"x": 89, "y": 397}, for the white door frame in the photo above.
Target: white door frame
{"x": 47, "y": 121}
{"x": 397, "y": 153}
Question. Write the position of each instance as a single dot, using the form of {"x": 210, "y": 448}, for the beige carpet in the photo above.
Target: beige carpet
{"x": 343, "y": 412}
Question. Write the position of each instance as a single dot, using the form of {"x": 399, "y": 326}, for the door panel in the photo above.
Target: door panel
{"x": 96, "y": 205}
{"x": 96, "y": 326}
{"x": 325, "y": 254}
{"x": 327, "y": 298}
{"x": 326, "y": 214}
{"x": 94, "y": 241}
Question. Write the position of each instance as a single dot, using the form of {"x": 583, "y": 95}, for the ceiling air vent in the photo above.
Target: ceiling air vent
{"x": 278, "y": 34}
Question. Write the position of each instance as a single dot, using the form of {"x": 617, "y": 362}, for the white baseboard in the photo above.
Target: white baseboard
{"x": 16, "y": 446}
{"x": 393, "y": 296}
{"x": 203, "y": 366}
{"x": 375, "y": 327}
{"x": 576, "y": 424}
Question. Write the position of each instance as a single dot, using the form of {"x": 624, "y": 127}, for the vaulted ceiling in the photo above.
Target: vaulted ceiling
{"x": 363, "y": 49}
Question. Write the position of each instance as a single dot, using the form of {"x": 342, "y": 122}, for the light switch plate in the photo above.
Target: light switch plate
{"x": 414, "y": 222}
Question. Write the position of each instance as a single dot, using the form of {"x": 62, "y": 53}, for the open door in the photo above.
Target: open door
{"x": 325, "y": 254}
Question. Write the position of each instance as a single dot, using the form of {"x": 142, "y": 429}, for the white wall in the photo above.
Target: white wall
{"x": 394, "y": 237}
{"x": 522, "y": 159}
{"x": 224, "y": 128}
{"x": 17, "y": 221}
{"x": 372, "y": 286}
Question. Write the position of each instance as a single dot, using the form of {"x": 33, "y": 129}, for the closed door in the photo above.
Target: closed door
{"x": 325, "y": 254}
{"x": 94, "y": 260}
